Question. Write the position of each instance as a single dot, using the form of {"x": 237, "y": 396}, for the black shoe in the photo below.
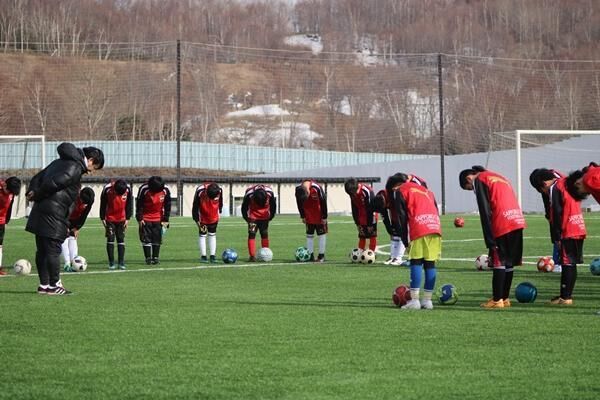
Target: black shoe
{"x": 321, "y": 258}
{"x": 57, "y": 291}
{"x": 312, "y": 257}
{"x": 155, "y": 261}
{"x": 213, "y": 260}
{"x": 252, "y": 259}
{"x": 148, "y": 261}
{"x": 203, "y": 259}
{"x": 42, "y": 290}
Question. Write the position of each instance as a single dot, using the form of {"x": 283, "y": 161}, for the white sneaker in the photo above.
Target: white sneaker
{"x": 426, "y": 304}
{"x": 557, "y": 269}
{"x": 388, "y": 261}
{"x": 396, "y": 261}
{"x": 412, "y": 305}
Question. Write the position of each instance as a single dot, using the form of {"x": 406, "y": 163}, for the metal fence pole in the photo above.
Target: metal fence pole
{"x": 178, "y": 133}
{"x": 442, "y": 140}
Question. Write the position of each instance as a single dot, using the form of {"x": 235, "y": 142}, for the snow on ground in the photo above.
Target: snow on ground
{"x": 267, "y": 110}
{"x": 313, "y": 42}
{"x": 287, "y": 134}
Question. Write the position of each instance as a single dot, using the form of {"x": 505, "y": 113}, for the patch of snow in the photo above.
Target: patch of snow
{"x": 267, "y": 110}
{"x": 288, "y": 134}
{"x": 313, "y": 42}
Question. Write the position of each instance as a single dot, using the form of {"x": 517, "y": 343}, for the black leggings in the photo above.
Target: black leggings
{"x": 47, "y": 259}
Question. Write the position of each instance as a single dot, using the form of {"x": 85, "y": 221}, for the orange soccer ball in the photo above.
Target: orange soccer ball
{"x": 545, "y": 264}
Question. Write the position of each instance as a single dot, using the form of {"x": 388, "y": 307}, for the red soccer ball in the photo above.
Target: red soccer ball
{"x": 545, "y": 264}
{"x": 459, "y": 222}
{"x": 401, "y": 295}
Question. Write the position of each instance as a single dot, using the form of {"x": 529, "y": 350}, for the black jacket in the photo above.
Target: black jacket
{"x": 55, "y": 189}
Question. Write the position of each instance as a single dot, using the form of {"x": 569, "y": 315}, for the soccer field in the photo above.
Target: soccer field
{"x": 286, "y": 330}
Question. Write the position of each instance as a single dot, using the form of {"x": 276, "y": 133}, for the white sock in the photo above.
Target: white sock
{"x": 212, "y": 243}
{"x": 310, "y": 243}
{"x": 394, "y": 247}
{"x": 322, "y": 243}
{"x": 202, "y": 245}
{"x": 65, "y": 251}
{"x": 414, "y": 294}
{"x": 401, "y": 249}
{"x": 73, "y": 248}
{"x": 427, "y": 294}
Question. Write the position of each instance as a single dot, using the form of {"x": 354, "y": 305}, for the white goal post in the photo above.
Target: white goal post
{"x": 520, "y": 133}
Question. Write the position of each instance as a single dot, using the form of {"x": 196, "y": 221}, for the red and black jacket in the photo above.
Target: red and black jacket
{"x": 566, "y": 218}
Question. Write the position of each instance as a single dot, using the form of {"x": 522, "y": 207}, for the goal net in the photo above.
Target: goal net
{"x": 21, "y": 156}
{"x": 515, "y": 154}
{"x": 20, "y": 153}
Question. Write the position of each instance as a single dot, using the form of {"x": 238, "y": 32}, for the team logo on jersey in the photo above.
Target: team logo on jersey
{"x": 162, "y": 198}
{"x": 497, "y": 179}
{"x": 419, "y": 191}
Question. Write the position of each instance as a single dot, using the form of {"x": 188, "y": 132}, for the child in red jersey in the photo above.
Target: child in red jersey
{"x": 258, "y": 208}
{"x": 208, "y": 204}
{"x": 542, "y": 179}
{"x": 312, "y": 206}
{"x": 81, "y": 210}
{"x": 582, "y": 183}
{"x": 116, "y": 208}
{"x": 420, "y": 230}
{"x": 502, "y": 223}
{"x": 153, "y": 209}
{"x": 568, "y": 226}
{"x": 365, "y": 217}
{"x": 9, "y": 188}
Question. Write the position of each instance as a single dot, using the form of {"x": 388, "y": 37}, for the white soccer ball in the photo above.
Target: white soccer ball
{"x": 265, "y": 254}
{"x": 355, "y": 255}
{"x": 22, "y": 267}
{"x": 79, "y": 264}
{"x": 482, "y": 262}
{"x": 367, "y": 257}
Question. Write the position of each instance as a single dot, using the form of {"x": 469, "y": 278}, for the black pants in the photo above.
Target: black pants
{"x": 47, "y": 259}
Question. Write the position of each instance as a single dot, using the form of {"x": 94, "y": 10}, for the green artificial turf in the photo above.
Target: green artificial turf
{"x": 286, "y": 330}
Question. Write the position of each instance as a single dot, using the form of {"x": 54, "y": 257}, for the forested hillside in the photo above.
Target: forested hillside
{"x": 348, "y": 75}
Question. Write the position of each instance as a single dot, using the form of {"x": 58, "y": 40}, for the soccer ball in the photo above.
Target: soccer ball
{"x": 265, "y": 254}
{"x": 459, "y": 222}
{"x": 447, "y": 294}
{"x": 595, "y": 266}
{"x": 367, "y": 257}
{"x": 545, "y": 264}
{"x": 302, "y": 254}
{"x": 79, "y": 264}
{"x": 482, "y": 262}
{"x": 401, "y": 295}
{"x": 22, "y": 267}
{"x": 229, "y": 256}
{"x": 525, "y": 292}
{"x": 355, "y": 255}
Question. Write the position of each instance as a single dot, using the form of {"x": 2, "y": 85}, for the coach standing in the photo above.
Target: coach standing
{"x": 53, "y": 191}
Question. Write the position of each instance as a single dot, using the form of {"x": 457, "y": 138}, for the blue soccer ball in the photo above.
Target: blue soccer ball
{"x": 447, "y": 295}
{"x": 229, "y": 256}
{"x": 595, "y": 266}
{"x": 525, "y": 292}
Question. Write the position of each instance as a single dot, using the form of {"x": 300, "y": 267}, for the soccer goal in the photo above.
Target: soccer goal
{"x": 516, "y": 153}
{"x": 22, "y": 152}
{"x": 22, "y": 156}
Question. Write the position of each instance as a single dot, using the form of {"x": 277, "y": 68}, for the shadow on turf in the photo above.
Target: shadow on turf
{"x": 463, "y": 305}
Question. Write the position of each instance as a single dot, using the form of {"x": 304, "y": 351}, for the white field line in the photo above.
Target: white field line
{"x": 162, "y": 269}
